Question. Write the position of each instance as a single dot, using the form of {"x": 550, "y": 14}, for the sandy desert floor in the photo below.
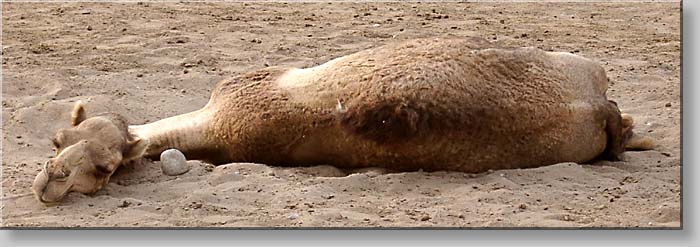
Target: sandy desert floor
{"x": 148, "y": 61}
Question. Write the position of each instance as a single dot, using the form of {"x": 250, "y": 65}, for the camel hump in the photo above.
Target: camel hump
{"x": 385, "y": 121}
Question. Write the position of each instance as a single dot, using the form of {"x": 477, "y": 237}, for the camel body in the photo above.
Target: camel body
{"x": 431, "y": 104}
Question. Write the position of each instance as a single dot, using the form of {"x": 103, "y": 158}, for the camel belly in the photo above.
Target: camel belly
{"x": 585, "y": 138}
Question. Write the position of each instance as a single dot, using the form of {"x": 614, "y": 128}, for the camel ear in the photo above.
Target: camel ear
{"x": 78, "y": 114}
{"x": 137, "y": 148}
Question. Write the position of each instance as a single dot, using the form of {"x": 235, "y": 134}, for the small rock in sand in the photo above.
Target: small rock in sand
{"x": 293, "y": 216}
{"x": 124, "y": 204}
{"x": 173, "y": 162}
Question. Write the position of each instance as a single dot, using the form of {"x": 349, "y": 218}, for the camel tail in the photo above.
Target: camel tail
{"x": 635, "y": 141}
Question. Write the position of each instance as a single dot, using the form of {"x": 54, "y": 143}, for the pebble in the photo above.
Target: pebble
{"x": 293, "y": 216}
{"x": 124, "y": 204}
{"x": 173, "y": 162}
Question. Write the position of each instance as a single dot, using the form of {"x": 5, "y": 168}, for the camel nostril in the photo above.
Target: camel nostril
{"x": 54, "y": 172}
{"x": 60, "y": 174}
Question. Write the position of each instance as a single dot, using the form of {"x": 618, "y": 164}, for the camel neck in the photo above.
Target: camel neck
{"x": 186, "y": 132}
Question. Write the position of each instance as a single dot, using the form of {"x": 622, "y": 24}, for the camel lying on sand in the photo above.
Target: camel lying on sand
{"x": 434, "y": 104}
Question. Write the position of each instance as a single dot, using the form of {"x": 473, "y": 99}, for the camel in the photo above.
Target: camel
{"x": 450, "y": 104}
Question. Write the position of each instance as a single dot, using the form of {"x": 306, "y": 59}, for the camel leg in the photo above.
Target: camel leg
{"x": 186, "y": 132}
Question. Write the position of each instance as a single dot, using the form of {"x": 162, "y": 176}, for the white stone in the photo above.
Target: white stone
{"x": 173, "y": 162}
{"x": 293, "y": 216}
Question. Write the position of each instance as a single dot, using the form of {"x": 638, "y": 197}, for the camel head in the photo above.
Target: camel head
{"x": 88, "y": 153}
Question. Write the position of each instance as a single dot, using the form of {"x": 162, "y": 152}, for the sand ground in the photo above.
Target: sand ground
{"x": 153, "y": 60}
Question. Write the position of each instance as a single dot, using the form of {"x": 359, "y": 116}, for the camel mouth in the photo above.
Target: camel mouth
{"x": 47, "y": 191}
